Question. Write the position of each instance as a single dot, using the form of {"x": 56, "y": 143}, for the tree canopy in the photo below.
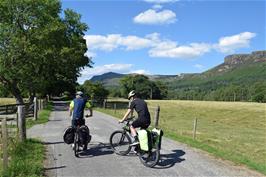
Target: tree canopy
{"x": 40, "y": 51}
{"x": 145, "y": 88}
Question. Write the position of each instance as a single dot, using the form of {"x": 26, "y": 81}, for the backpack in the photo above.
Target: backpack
{"x": 69, "y": 135}
{"x": 84, "y": 135}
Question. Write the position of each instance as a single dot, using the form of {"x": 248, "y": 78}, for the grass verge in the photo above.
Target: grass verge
{"x": 43, "y": 117}
{"x": 27, "y": 159}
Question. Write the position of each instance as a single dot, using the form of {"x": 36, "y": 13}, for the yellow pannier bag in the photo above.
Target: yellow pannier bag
{"x": 143, "y": 140}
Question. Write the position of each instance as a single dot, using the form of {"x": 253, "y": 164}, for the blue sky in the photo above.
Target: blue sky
{"x": 167, "y": 36}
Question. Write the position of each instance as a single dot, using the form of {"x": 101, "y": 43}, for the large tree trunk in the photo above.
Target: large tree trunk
{"x": 17, "y": 94}
{"x": 12, "y": 86}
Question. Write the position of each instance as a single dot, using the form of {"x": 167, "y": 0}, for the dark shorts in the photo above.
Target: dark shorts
{"x": 140, "y": 123}
{"x": 79, "y": 122}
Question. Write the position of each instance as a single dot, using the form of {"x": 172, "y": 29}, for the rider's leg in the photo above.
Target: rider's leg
{"x": 133, "y": 131}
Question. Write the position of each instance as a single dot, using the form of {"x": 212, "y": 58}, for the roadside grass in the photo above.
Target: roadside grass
{"x": 43, "y": 117}
{"x": 27, "y": 159}
{"x": 235, "y": 131}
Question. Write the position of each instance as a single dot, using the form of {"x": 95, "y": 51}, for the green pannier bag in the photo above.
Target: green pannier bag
{"x": 158, "y": 133}
{"x": 143, "y": 140}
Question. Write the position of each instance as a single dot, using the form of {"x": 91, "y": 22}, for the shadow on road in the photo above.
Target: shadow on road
{"x": 54, "y": 168}
{"x": 96, "y": 149}
{"x": 169, "y": 160}
{"x": 57, "y": 142}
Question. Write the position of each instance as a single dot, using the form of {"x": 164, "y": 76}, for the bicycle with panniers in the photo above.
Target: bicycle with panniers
{"x": 148, "y": 149}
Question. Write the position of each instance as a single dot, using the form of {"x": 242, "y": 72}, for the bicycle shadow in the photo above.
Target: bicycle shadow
{"x": 96, "y": 149}
{"x": 169, "y": 160}
{"x": 49, "y": 143}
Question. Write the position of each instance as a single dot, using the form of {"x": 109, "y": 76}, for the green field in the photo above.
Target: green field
{"x": 5, "y": 101}
{"x": 232, "y": 130}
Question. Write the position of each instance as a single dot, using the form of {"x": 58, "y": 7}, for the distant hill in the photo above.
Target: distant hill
{"x": 112, "y": 79}
{"x": 239, "y": 77}
{"x": 238, "y": 68}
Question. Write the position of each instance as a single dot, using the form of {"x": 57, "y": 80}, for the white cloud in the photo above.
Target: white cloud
{"x": 87, "y": 73}
{"x": 90, "y": 54}
{"x": 169, "y": 49}
{"x": 157, "y": 6}
{"x": 153, "y": 36}
{"x": 229, "y": 44}
{"x": 105, "y": 43}
{"x": 199, "y": 66}
{"x": 152, "y": 17}
{"x": 160, "y": 1}
{"x": 113, "y": 41}
{"x": 158, "y": 47}
{"x": 140, "y": 71}
{"x": 134, "y": 42}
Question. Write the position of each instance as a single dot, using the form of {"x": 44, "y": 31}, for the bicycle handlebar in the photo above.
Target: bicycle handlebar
{"x": 128, "y": 119}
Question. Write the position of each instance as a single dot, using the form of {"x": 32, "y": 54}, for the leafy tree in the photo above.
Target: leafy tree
{"x": 259, "y": 92}
{"x": 39, "y": 51}
{"x": 139, "y": 83}
{"x": 143, "y": 86}
{"x": 95, "y": 91}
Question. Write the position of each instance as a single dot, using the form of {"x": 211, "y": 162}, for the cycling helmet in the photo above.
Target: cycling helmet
{"x": 131, "y": 94}
{"x": 80, "y": 93}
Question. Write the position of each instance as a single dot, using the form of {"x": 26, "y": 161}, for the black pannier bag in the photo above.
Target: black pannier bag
{"x": 69, "y": 135}
{"x": 84, "y": 135}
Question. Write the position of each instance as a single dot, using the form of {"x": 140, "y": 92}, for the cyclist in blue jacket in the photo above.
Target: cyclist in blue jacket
{"x": 76, "y": 109}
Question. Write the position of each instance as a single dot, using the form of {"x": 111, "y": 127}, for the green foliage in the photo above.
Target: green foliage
{"x": 27, "y": 159}
{"x": 238, "y": 84}
{"x": 145, "y": 88}
{"x": 40, "y": 52}
{"x": 43, "y": 117}
{"x": 95, "y": 91}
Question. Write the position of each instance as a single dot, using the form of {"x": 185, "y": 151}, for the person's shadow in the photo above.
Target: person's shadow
{"x": 169, "y": 160}
{"x": 96, "y": 149}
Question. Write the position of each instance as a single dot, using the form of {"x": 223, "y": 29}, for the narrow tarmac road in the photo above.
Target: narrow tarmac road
{"x": 99, "y": 160}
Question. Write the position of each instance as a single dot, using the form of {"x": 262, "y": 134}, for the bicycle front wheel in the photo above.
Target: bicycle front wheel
{"x": 120, "y": 142}
{"x": 150, "y": 158}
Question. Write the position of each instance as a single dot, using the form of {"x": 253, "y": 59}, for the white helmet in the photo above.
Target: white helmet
{"x": 131, "y": 94}
{"x": 80, "y": 93}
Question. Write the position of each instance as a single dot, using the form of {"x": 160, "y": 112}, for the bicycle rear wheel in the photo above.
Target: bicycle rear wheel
{"x": 150, "y": 158}
{"x": 120, "y": 142}
{"x": 76, "y": 145}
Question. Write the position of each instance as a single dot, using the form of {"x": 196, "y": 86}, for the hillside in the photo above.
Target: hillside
{"x": 241, "y": 77}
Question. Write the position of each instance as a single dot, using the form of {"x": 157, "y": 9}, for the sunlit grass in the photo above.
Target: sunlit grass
{"x": 231, "y": 130}
{"x": 5, "y": 101}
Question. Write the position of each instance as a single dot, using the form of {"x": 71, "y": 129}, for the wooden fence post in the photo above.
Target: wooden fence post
{"x": 195, "y": 128}
{"x": 35, "y": 112}
{"x": 115, "y": 107}
{"x": 5, "y": 144}
{"x": 39, "y": 104}
{"x": 157, "y": 114}
{"x": 42, "y": 105}
{"x": 21, "y": 123}
{"x": 104, "y": 103}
